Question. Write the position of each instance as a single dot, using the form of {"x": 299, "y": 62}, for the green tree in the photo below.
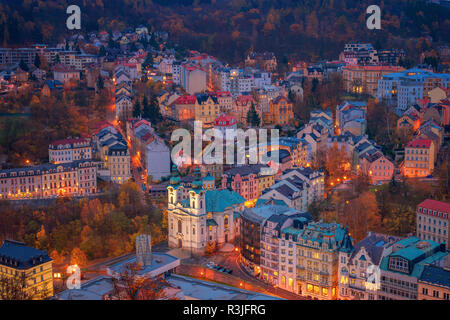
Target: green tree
{"x": 102, "y": 51}
{"x": 137, "y": 109}
{"x": 148, "y": 62}
{"x": 37, "y": 61}
{"x": 23, "y": 66}
{"x": 100, "y": 83}
{"x": 253, "y": 117}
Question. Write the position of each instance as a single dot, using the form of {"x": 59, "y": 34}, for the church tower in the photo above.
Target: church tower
{"x": 174, "y": 193}
{"x": 197, "y": 194}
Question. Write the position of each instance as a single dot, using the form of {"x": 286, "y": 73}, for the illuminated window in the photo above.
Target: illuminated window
{"x": 309, "y": 288}
{"x": 316, "y": 289}
{"x": 325, "y": 292}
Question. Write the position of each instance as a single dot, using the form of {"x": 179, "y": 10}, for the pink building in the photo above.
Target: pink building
{"x": 243, "y": 180}
{"x": 379, "y": 168}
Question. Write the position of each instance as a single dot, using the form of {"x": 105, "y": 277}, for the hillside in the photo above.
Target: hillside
{"x": 229, "y": 28}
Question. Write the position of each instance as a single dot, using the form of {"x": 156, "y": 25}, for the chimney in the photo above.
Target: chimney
{"x": 144, "y": 250}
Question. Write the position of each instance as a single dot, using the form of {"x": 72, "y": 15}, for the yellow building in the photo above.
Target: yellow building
{"x": 265, "y": 182}
{"x": 318, "y": 247}
{"x": 434, "y": 283}
{"x": 207, "y": 109}
{"x": 118, "y": 162}
{"x": 364, "y": 79}
{"x": 30, "y": 269}
{"x": 280, "y": 111}
{"x": 419, "y": 158}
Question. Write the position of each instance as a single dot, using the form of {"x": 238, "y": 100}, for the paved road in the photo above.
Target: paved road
{"x": 230, "y": 260}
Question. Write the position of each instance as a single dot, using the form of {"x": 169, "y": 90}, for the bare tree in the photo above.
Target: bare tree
{"x": 129, "y": 285}
{"x": 15, "y": 288}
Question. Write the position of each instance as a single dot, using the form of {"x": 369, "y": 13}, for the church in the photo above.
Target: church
{"x": 202, "y": 219}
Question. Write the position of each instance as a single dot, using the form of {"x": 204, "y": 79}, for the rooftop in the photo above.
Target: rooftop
{"x": 18, "y": 255}
{"x": 435, "y": 205}
{"x": 161, "y": 262}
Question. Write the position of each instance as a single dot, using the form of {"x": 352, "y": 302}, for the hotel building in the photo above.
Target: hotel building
{"x": 419, "y": 158}
{"x": 77, "y": 178}
{"x": 364, "y": 79}
{"x": 29, "y": 267}
{"x": 433, "y": 221}
{"x": 69, "y": 150}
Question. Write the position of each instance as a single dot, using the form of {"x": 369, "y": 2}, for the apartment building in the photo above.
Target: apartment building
{"x": 433, "y": 221}
{"x": 64, "y": 73}
{"x": 359, "y": 268}
{"x": 403, "y": 88}
{"x": 419, "y": 158}
{"x": 241, "y": 106}
{"x": 278, "y": 254}
{"x": 351, "y": 116}
{"x": 192, "y": 78}
{"x": 259, "y": 250}
{"x": 402, "y": 268}
{"x": 244, "y": 180}
{"x": 207, "y": 109}
{"x": 29, "y": 268}
{"x": 112, "y": 150}
{"x": 364, "y": 79}
{"x": 297, "y": 188}
{"x": 377, "y": 167}
{"x": 434, "y": 282}
{"x": 281, "y": 111}
{"x": 9, "y": 56}
{"x": 150, "y": 150}
{"x": 318, "y": 248}
{"x": 69, "y": 150}
{"x": 76, "y": 178}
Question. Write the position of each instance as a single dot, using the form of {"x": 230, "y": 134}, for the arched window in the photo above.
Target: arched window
{"x": 171, "y": 199}
{"x": 201, "y": 204}
{"x": 180, "y": 226}
{"x": 225, "y": 222}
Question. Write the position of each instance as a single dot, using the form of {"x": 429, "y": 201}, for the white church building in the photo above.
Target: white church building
{"x": 203, "y": 217}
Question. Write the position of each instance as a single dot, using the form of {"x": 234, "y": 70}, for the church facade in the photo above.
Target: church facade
{"x": 202, "y": 219}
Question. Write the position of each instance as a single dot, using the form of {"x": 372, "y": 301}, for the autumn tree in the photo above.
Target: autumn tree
{"x": 15, "y": 287}
{"x": 130, "y": 285}
{"x": 362, "y": 215}
{"x": 78, "y": 257}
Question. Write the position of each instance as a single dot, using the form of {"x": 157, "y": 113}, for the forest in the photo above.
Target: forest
{"x": 85, "y": 229}
{"x": 304, "y": 29}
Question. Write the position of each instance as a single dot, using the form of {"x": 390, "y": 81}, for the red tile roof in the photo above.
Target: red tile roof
{"x": 244, "y": 100}
{"x": 186, "y": 99}
{"x": 225, "y": 120}
{"x": 419, "y": 143}
{"x": 435, "y": 205}
{"x": 376, "y": 68}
